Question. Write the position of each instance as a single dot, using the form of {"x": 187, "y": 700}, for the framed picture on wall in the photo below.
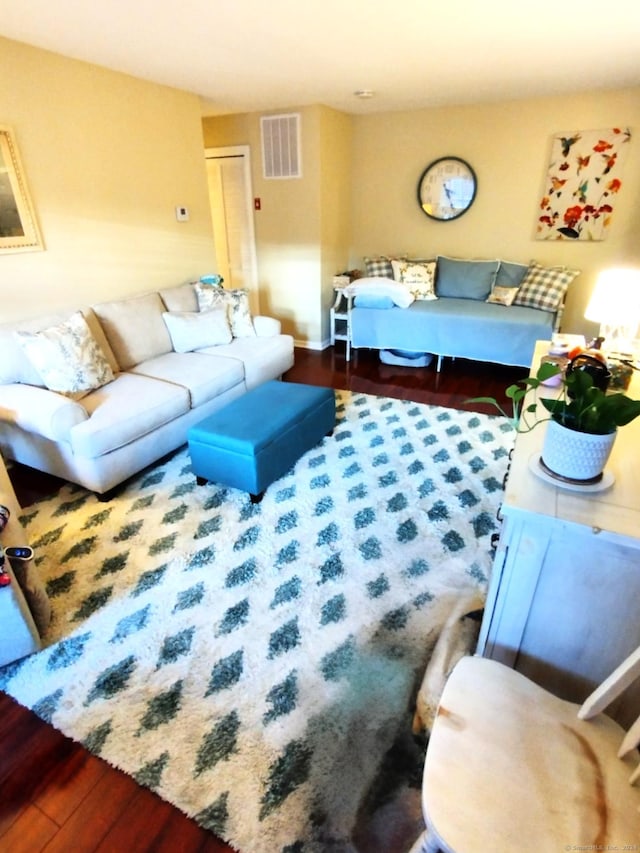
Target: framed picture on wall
{"x": 582, "y": 184}
{"x": 19, "y": 230}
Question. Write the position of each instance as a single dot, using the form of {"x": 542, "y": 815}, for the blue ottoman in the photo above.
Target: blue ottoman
{"x": 257, "y": 438}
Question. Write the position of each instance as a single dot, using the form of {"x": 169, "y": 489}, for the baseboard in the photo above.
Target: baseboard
{"x": 314, "y": 345}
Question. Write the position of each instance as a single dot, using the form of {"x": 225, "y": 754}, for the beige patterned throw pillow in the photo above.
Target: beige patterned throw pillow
{"x": 502, "y": 295}
{"x": 237, "y": 303}
{"x": 67, "y": 357}
{"x": 418, "y": 276}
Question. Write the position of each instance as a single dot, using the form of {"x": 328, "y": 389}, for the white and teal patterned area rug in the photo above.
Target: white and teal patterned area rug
{"x": 253, "y": 663}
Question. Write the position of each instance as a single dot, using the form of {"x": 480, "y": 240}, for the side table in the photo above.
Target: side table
{"x": 341, "y": 318}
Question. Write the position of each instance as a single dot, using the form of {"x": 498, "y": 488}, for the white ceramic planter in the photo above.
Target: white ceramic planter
{"x": 576, "y": 456}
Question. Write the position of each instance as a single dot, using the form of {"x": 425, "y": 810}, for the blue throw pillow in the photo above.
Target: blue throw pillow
{"x": 373, "y": 301}
{"x": 465, "y": 279}
{"x": 510, "y": 274}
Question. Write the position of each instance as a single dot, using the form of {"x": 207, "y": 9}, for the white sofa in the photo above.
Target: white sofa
{"x": 144, "y": 412}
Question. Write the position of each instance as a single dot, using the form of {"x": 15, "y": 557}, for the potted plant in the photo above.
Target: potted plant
{"x": 582, "y": 419}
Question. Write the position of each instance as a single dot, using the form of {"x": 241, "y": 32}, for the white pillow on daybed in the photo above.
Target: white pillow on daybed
{"x": 378, "y": 286}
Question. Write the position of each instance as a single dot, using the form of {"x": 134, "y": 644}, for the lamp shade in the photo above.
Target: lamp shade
{"x": 615, "y": 304}
{"x": 616, "y": 298}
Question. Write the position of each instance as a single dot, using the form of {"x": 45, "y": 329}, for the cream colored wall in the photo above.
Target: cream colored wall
{"x": 107, "y": 158}
{"x": 508, "y": 144}
{"x": 336, "y": 142}
{"x": 302, "y": 228}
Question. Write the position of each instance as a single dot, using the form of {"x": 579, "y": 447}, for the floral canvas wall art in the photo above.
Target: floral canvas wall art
{"x": 584, "y": 178}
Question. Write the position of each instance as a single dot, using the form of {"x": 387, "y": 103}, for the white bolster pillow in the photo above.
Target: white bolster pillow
{"x": 378, "y": 286}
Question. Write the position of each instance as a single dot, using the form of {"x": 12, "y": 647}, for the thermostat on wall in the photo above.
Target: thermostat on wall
{"x": 182, "y": 214}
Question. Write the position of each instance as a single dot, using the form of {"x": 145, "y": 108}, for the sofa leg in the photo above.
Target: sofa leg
{"x": 255, "y": 499}
{"x": 201, "y": 481}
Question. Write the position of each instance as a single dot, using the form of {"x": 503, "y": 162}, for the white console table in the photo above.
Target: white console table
{"x": 341, "y": 319}
{"x": 563, "y": 605}
{"x": 20, "y": 635}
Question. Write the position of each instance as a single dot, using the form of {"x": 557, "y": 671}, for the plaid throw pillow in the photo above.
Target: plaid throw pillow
{"x": 380, "y": 266}
{"x": 544, "y": 287}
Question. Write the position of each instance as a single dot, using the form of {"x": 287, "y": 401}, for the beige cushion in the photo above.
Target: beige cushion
{"x": 191, "y": 330}
{"x": 502, "y": 295}
{"x": 129, "y": 407}
{"x": 211, "y": 297}
{"x": 204, "y": 377}
{"x": 67, "y": 357}
{"x": 181, "y": 298}
{"x": 134, "y": 328}
{"x": 260, "y": 358}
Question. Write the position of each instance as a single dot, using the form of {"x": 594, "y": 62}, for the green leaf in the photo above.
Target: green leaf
{"x": 546, "y": 370}
{"x": 515, "y": 392}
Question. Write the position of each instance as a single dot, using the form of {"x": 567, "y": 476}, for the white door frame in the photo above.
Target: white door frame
{"x": 243, "y": 151}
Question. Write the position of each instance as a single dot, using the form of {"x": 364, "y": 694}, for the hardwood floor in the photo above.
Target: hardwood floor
{"x": 58, "y": 797}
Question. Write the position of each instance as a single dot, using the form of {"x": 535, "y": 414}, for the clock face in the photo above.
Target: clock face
{"x": 447, "y": 188}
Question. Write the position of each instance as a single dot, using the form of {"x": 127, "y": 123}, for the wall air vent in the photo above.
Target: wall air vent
{"x": 281, "y": 155}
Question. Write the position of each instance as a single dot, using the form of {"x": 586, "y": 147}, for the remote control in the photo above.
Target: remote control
{"x": 23, "y": 552}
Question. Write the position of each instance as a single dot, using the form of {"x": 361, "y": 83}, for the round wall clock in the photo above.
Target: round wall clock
{"x": 447, "y": 188}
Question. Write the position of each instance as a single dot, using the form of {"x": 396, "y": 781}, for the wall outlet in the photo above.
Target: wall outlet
{"x": 182, "y": 214}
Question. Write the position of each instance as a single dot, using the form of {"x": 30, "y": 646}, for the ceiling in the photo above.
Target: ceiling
{"x": 258, "y": 55}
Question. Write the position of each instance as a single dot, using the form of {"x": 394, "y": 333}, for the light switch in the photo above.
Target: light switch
{"x": 182, "y": 214}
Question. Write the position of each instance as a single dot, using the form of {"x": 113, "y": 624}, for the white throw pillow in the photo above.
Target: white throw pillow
{"x": 236, "y": 302}
{"x": 418, "y": 276}
{"x": 192, "y": 330}
{"x": 378, "y": 286}
{"x": 67, "y": 357}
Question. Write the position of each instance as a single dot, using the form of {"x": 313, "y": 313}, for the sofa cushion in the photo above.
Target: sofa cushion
{"x": 134, "y": 328}
{"x": 261, "y": 359}
{"x": 192, "y": 330}
{"x": 67, "y": 357}
{"x": 461, "y": 279}
{"x": 180, "y": 298}
{"x": 204, "y": 377}
{"x": 126, "y": 409}
{"x": 418, "y": 276}
{"x": 544, "y": 287}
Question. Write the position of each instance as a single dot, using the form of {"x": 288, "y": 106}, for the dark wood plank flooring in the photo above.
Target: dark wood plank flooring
{"x": 58, "y": 797}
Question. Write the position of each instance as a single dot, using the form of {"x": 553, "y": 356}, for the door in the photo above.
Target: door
{"x": 231, "y": 200}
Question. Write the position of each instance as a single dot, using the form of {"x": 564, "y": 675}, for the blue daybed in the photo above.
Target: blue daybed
{"x": 471, "y": 311}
